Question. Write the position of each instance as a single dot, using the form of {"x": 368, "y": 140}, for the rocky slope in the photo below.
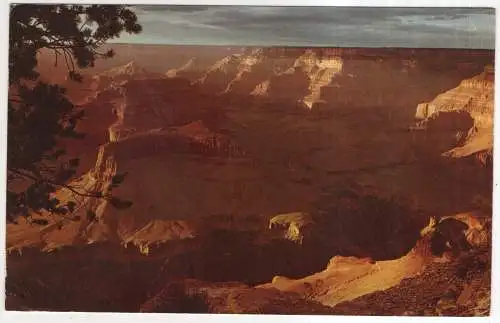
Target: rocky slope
{"x": 348, "y": 278}
{"x": 391, "y": 287}
{"x": 460, "y": 287}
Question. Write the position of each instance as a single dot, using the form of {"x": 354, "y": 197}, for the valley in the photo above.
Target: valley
{"x": 268, "y": 180}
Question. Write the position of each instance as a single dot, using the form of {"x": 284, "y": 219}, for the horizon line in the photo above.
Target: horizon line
{"x": 297, "y": 46}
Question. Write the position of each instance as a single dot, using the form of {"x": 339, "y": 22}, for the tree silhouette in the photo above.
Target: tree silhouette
{"x": 40, "y": 114}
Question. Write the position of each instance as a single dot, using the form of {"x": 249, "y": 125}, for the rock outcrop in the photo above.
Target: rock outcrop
{"x": 245, "y": 66}
{"x": 295, "y": 225}
{"x": 347, "y": 278}
{"x": 257, "y": 73}
{"x": 348, "y": 282}
{"x": 220, "y": 74}
{"x": 183, "y": 70}
{"x": 311, "y": 69}
{"x": 320, "y": 71}
{"x": 458, "y": 287}
{"x": 474, "y": 95}
{"x": 466, "y": 110}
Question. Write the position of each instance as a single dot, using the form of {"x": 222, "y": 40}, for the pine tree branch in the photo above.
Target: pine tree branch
{"x": 51, "y": 182}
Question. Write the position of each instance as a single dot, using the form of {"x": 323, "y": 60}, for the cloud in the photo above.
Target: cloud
{"x": 172, "y": 8}
{"x": 340, "y": 15}
{"x": 352, "y": 26}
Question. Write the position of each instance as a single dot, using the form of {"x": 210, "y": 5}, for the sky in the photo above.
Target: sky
{"x": 315, "y": 26}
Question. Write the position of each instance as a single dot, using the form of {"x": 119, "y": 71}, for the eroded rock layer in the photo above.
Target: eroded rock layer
{"x": 466, "y": 110}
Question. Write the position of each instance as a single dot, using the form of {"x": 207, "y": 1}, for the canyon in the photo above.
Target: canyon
{"x": 266, "y": 177}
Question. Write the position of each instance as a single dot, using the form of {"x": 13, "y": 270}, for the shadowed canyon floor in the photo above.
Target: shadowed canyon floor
{"x": 271, "y": 180}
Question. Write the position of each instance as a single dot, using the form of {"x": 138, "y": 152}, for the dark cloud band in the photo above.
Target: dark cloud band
{"x": 295, "y": 26}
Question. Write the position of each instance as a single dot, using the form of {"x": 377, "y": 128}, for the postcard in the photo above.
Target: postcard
{"x": 250, "y": 159}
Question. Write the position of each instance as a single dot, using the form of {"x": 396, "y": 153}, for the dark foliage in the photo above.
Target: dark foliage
{"x": 40, "y": 114}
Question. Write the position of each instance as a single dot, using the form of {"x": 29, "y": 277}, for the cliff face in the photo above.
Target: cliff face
{"x": 257, "y": 73}
{"x": 238, "y": 73}
{"x": 310, "y": 72}
{"x": 465, "y": 112}
{"x": 474, "y": 95}
{"x": 320, "y": 71}
{"x": 245, "y": 66}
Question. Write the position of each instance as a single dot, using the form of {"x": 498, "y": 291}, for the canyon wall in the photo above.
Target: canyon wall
{"x": 214, "y": 146}
{"x": 466, "y": 113}
{"x": 259, "y": 74}
{"x": 134, "y": 116}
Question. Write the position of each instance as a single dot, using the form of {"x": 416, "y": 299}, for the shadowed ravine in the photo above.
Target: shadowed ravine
{"x": 126, "y": 278}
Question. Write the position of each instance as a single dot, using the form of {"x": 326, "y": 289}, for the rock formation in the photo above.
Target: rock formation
{"x": 183, "y": 70}
{"x": 295, "y": 225}
{"x": 320, "y": 71}
{"x": 347, "y": 278}
{"x": 220, "y": 74}
{"x": 473, "y": 99}
{"x": 249, "y": 72}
